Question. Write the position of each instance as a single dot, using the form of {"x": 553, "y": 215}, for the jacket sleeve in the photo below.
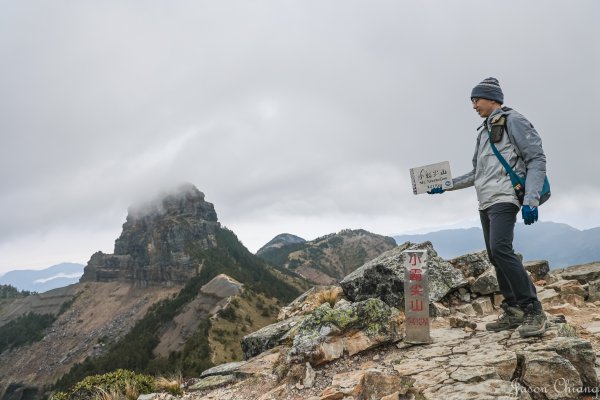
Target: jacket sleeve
{"x": 468, "y": 179}
{"x": 529, "y": 145}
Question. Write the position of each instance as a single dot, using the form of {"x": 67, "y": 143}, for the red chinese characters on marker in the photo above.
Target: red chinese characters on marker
{"x": 416, "y": 290}
{"x": 414, "y": 259}
{"x": 416, "y": 305}
{"x": 416, "y": 274}
{"x": 416, "y": 297}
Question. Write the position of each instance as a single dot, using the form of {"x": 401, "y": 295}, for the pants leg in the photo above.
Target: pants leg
{"x": 498, "y": 224}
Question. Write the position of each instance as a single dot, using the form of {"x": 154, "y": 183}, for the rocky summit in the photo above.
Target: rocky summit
{"x": 156, "y": 239}
{"x": 347, "y": 342}
{"x": 280, "y": 241}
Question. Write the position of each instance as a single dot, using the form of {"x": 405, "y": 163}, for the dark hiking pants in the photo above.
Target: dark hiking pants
{"x": 498, "y": 223}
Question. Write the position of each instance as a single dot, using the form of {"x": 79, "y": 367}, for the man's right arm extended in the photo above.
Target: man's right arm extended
{"x": 468, "y": 179}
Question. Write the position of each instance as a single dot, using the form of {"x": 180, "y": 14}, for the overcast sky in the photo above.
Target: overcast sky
{"x": 291, "y": 116}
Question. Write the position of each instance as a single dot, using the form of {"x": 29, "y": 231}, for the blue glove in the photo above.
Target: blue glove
{"x": 529, "y": 214}
{"x": 436, "y": 190}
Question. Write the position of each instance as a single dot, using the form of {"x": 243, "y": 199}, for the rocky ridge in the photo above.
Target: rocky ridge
{"x": 324, "y": 346}
{"x": 328, "y": 259}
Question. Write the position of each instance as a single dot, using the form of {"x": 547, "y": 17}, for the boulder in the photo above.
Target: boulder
{"x": 594, "y": 291}
{"x": 461, "y": 321}
{"x": 583, "y": 273}
{"x": 383, "y": 277}
{"x": 261, "y": 365}
{"x": 347, "y": 383}
{"x": 473, "y": 264}
{"x": 573, "y": 299}
{"x": 577, "y": 351}
{"x": 309, "y": 377}
{"x": 545, "y": 370}
{"x": 212, "y": 382}
{"x": 466, "y": 309}
{"x": 483, "y": 306}
{"x": 562, "y": 309}
{"x": 369, "y": 384}
{"x": 268, "y": 337}
{"x": 328, "y": 333}
{"x": 538, "y": 269}
{"x": 149, "y": 396}
{"x": 593, "y": 327}
{"x": 437, "y": 309}
{"x": 572, "y": 287}
{"x": 223, "y": 369}
{"x": 486, "y": 283}
{"x": 464, "y": 294}
{"x": 378, "y": 384}
{"x": 549, "y": 296}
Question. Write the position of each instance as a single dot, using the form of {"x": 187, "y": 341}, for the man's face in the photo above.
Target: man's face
{"x": 484, "y": 107}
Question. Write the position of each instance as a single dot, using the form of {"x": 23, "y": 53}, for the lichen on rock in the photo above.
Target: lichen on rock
{"x": 329, "y": 332}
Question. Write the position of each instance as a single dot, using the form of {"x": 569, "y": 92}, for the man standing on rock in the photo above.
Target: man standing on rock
{"x": 518, "y": 142}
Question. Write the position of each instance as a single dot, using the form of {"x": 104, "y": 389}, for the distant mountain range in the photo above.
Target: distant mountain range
{"x": 560, "y": 244}
{"x": 43, "y": 280}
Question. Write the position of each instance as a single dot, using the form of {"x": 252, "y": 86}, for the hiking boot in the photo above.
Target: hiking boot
{"x": 511, "y": 318}
{"x": 534, "y": 321}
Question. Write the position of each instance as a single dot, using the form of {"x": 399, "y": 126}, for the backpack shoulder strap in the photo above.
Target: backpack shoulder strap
{"x": 514, "y": 178}
{"x": 511, "y": 139}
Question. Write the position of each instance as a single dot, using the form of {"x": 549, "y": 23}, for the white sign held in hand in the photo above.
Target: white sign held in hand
{"x": 431, "y": 176}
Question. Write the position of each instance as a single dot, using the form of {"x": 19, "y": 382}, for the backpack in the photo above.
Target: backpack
{"x": 518, "y": 182}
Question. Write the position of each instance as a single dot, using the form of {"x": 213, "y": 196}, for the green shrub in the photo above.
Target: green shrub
{"x": 121, "y": 381}
{"x": 60, "y": 396}
{"x": 228, "y": 313}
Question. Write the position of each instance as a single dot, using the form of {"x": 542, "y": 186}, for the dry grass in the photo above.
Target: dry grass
{"x": 331, "y": 296}
{"x": 114, "y": 394}
{"x": 171, "y": 385}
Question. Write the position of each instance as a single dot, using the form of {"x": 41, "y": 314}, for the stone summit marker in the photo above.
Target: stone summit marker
{"x": 416, "y": 296}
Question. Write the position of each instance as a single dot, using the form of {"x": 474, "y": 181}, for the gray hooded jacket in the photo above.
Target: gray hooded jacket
{"x": 521, "y": 146}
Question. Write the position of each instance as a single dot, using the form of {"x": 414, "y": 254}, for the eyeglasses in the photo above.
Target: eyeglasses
{"x": 474, "y": 100}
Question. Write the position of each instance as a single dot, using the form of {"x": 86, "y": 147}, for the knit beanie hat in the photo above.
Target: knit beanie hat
{"x": 489, "y": 89}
